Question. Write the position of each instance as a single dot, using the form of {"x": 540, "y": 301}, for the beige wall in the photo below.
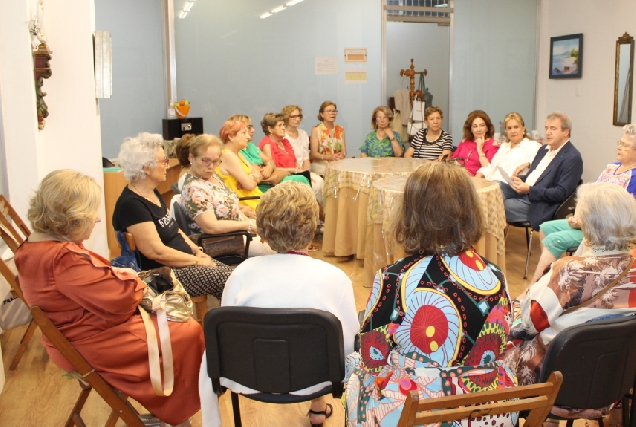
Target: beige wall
{"x": 589, "y": 100}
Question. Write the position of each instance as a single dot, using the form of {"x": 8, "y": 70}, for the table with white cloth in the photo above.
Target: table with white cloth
{"x": 346, "y": 195}
{"x": 387, "y": 194}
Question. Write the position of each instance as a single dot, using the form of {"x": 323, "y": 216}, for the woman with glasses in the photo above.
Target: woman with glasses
{"x": 478, "y": 146}
{"x": 562, "y": 234}
{"x": 259, "y": 161}
{"x": 235, "y": 170}
{"x": 327, "y": 139}
{"x": 383, "y": 141}
{"x": 141, "y": 211}
{"x": 211, "y": 204}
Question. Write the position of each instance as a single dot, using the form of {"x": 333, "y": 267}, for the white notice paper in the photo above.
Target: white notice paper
{"x": 326, "y": 65}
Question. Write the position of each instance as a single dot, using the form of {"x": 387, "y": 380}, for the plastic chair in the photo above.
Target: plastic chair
{"x": 88, "y": 379}
{"x": 598, "y": 361}
{"x": 184, "y": 221}
{"x": 276, "y": 351}
{"x": 538, "y": 398}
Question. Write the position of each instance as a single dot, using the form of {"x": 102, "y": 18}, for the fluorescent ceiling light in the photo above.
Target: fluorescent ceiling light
{"x": 188, "y": 6}
{"x": 183, "y": 14}
{"x": 265, "y": 15}
{"x": 278, "y": 9}
{"x": 293, "y": 2}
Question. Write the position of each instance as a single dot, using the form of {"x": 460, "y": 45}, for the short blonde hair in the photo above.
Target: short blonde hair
{"x": 440, "y": 213}
{"x": 387, "y": 112}
{"x": 288, "y": 109}
{"x": 287, "y": 216}
{"x": 202, "y": 142}
{"x": 608, "y": 215}
{"x": 515, "y": 116}
{"x": 65, "y": 205}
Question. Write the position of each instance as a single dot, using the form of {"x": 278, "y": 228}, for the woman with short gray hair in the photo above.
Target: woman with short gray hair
{"x": 141, "y": 211}
{"x": 579, "y": 289}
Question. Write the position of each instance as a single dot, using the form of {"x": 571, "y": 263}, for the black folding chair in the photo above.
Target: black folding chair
{"x": 275, "y": 351}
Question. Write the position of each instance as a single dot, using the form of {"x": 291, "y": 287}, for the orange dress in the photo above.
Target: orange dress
{"x": 97, "y": 312}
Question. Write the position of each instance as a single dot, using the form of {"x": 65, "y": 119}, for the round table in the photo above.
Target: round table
{"x": 387, "y": 194}
{"x": 346, "y": 194}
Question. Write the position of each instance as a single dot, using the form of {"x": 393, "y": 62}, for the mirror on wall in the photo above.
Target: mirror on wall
{"x": 624, "y": 78}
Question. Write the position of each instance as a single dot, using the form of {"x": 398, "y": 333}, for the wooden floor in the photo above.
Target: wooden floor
{"x": 37, "y": 393}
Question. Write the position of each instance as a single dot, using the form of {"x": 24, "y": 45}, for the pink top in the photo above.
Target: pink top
{"x": 467, "y": 150}
{"x": 283, "y": 157}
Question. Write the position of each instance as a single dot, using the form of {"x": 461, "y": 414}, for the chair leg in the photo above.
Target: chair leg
{"x": 75, "y": 419}
{"x": 24, "y": 342}
{"x": 529, "y": 241}
{"x": 236, "y": 409}
{"x": 570, "y": 423}
{"x": 200, "y": 308}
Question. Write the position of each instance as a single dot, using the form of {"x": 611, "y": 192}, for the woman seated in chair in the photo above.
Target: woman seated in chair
{"x": 234, "y": 169}
{"x": 578, "y": 289}
{"x": 562, "y": 234}
{"x": 94, "y": 305}
{"x": 141, "y": 211}
{"x": 182, "y": 150}
{"x": 287, "y": 219}
{"x": 437, "y": 320}
{"x": 212, "y": 206}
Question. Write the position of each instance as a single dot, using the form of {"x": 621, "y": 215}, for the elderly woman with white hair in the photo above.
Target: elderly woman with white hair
{"x": 578, "y": 289}
{"x": 141, "y": 211}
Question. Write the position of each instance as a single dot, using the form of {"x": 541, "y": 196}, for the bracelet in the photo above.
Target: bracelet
{"x": 249, "y": 225}
{"x": 271, "y": 163}
{"x": 196, "y": 261}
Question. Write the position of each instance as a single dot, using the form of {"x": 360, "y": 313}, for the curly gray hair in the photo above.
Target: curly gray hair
{"x": 630, "y": 130}
{"x": 608, "y": 215}
{"x": 137, "y": 152}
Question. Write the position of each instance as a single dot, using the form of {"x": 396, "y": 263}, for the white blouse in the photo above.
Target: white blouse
{"x": 300, "y": 146}
{"x": 509, "y": 159}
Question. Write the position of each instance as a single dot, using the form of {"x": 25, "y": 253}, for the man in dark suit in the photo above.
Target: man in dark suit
{"x": 553, "y": 175}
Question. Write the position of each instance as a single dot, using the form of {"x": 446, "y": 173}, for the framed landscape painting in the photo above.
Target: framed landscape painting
{"x": 566, "y": 56}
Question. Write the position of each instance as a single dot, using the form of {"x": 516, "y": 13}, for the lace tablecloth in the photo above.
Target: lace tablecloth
{"x": 346, "y": 194}
{"x": 386, "y": 195}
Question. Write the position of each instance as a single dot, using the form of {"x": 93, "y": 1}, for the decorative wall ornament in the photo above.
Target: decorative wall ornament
{"x": 41, "y": 66}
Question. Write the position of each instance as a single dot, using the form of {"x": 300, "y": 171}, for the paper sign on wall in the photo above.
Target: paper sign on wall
{"x": 326, "y": 65}
{"x": 356, "y": 75}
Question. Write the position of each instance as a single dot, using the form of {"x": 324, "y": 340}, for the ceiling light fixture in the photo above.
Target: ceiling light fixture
{"x": 183, "y": 14}
{"x": 278, "y": 9}
{"x": 188, "y": 6}
{"x": 265, "y": 15}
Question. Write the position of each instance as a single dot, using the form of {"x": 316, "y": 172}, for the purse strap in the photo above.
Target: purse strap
{"x": 607, "y": 288}
{"x": 153, "y": 351}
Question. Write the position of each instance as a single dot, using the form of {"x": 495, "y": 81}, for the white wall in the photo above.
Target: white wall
{"x": 494, "y": 59}
{"x": 231, "y": 62}
{"x": 71, "y": 138}
{"x": 137, "y": 102}
{"x": 429, "y": 46}
{"x": 588, "y": 100}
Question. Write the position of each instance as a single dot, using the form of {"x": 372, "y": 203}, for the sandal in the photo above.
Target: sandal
{"x": 327, "y": 415}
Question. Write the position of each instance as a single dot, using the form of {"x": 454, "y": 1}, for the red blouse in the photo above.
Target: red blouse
{"x": 283, "y": 157}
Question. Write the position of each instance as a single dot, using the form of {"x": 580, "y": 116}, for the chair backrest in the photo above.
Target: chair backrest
{"x": 10, "y": 219}
{"x": 597, "y": 360}
{"x": 83, "y": 368}
{"x": 567, "y": 207}
{"x": 538, "y": 398}
{"x": 274, "y": 350}
{"x": 11, "y": 278}
{"x": 179, "y": 215}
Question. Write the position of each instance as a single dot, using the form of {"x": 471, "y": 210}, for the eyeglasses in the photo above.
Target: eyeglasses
{"x": 296, "y": 116}
{"x": 624, "y": 144}
{"x": 208, "y": 162}
{"x": 380, "y": 118}
{"x": 165, "y": 161}
{"x": 330, "y": 111}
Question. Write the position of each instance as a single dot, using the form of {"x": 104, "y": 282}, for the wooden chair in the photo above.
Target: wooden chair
{"x": 200, "y": 302}
{"x": 88, "y": 379}
{"x": 538, "y": 398}
{"x": 10, "y": 219}
{"x": 16, "y": 292}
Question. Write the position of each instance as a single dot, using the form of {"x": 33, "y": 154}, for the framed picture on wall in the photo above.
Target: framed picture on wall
{"x": 566, "y": 56}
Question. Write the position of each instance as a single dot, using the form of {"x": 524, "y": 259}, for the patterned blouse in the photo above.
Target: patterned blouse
{"x": 425, "y": 149}
{"x": 373, "y": 147}
{"x": 570, "y": 282}
{"x": 199, "y": 196}
{"x": 435, "y": 324}
{"x": 330, "y": 141}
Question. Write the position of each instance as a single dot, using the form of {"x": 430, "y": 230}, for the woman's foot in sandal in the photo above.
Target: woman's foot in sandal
{"x": 317, "y": 418}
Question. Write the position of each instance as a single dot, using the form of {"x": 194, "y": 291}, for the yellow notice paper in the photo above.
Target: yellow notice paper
{"x": 356, "y": 75}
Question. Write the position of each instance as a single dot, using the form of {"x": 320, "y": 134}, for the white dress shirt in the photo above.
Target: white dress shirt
{"x": 543, "y": 165}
